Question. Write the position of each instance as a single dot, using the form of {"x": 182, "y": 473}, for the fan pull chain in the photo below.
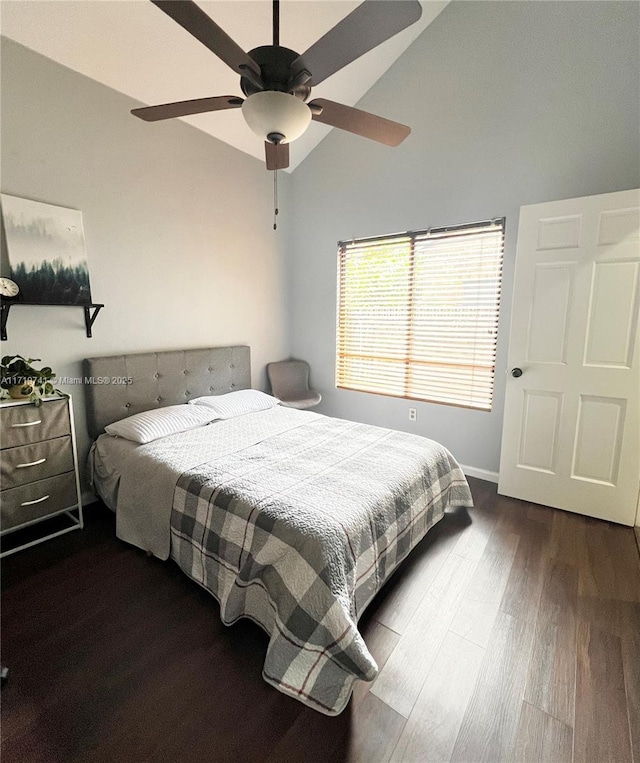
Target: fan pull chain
{"x": 275, "y": 199}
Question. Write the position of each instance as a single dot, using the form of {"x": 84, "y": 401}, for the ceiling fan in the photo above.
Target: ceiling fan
{"x": 277, "y": 81}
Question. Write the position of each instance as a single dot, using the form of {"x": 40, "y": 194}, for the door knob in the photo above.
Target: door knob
{"x": 516, "y": 372}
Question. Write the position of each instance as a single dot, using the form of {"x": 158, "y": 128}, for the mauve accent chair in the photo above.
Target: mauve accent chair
{"x": 289, "y": 381}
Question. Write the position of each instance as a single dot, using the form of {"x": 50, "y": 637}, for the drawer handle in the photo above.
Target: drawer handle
{"x": 27, "y": 424}
{"x": 33, "y": 463}
{"x": 38, "y": 500}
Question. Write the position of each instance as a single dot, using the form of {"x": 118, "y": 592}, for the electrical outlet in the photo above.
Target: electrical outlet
{"x": 413, "y": 414}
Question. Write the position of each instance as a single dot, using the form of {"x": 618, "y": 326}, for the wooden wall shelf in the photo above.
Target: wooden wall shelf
{"x": 91, "y": 311}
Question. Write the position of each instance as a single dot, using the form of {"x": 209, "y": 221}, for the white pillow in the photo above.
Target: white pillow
{"x": 152, "y": 425}
{"x": 236, "y": 403}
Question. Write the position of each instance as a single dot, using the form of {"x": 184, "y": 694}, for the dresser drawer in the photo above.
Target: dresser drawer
{"x": 37, "y": 499}
{"x": 28, "y": 463}
{"x": 23, "y": 424}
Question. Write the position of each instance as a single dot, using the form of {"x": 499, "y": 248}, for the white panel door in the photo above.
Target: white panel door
{"x": 571, "y": 435}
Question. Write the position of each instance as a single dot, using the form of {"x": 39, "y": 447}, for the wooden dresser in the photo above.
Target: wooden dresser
{"x": 38, "y": 467}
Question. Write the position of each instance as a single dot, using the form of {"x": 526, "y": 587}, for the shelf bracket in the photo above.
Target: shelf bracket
{"x": 4, "y": 306}
{"x": 89, "y": 318}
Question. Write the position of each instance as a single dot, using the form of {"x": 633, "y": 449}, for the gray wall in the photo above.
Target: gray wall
{"x": 510, "y": 104}
{"x": 178, "y": 225}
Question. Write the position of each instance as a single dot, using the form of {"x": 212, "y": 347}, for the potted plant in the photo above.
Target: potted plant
{"x": 21, "y": 380}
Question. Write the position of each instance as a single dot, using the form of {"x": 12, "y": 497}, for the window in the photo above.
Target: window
{"x": 418, "y": 314}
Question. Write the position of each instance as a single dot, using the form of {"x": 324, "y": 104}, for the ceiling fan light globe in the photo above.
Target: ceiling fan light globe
{"x": 272, "y": 112}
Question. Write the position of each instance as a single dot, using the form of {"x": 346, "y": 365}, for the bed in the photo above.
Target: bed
{"x": 289, "y": 518}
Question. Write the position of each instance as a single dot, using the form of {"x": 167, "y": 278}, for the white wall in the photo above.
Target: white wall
{"x": 510, "y": 103}
{"x": 178, "y": 225}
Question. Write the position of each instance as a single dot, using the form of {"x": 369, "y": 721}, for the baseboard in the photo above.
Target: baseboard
{"x": 481, "y": 474}
{"x": 637, "y": 532}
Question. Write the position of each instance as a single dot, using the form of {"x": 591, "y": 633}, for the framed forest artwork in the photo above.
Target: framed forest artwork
{"x": 46, "y": 252}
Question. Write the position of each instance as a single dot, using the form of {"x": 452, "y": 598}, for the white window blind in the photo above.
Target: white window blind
{"x": 418, "y": 314}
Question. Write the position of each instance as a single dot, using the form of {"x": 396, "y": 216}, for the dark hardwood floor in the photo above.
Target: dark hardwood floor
{"x": 512, "y": 633}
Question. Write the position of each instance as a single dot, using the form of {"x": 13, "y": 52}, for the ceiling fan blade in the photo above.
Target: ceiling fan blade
{"x": 184, "y": 108}
{"x": 277, "y": 156}
{"x": 203, "y": 28}
{"x": 370, "y": 24}
{"x": 359, "y": 122}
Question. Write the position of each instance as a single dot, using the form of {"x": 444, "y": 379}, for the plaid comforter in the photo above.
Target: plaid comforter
{"x": 299, "y": 531}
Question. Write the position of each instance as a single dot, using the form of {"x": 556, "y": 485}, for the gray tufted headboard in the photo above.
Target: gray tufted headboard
{"x": 159, "y": 379}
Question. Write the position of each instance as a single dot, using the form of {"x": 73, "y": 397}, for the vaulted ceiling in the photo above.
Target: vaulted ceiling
{"x": 131, "y": 46}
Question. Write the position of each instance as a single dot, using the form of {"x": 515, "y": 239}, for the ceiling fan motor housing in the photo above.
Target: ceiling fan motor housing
{"x": 275, "y": 68}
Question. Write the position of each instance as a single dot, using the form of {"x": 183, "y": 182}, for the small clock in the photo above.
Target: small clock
{"x": 8, "y": 289}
